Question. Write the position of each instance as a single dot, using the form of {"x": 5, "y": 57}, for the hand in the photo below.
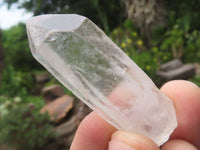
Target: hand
{"x": 94, "y": 133}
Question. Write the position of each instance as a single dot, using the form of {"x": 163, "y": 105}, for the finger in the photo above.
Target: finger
{"x": 130, "y": 141}
{"x": 186, "y": 98}
{"x": 178, "y": 145}
{"x": 94, "y": 133}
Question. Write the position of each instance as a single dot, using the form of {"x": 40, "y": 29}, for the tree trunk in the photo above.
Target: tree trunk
{"x": 146, "y": 14}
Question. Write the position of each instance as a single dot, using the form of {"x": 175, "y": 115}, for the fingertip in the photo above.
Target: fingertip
{"x": 129, "y": 140}
{"x": 172, "y": 88}
{"x": 178, "y": 145}
{"x": 186, "y": 98}
{"x": 93, "y": 133}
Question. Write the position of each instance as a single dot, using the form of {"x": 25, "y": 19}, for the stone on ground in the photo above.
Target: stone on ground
{"x": 59, "y": 108}
{"x": 52, "y": 92}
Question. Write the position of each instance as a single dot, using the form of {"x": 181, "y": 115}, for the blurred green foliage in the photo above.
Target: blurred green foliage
{"x": 17, "y": 78}
{"x": 133, "y": 44}
{"x": 15, "y": 83}
{"x": 22, "y": 126}
{"x": 166, "y": 44}
{"x": 178, "y": 43}
{"x": 186, "y": 12}
{"x": 16, "y": 49}
{"x": 196, "y": 80}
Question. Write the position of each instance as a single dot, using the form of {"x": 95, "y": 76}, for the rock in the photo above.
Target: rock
{"x": 42, "y": 78}
{"x": 52, "y": 92}
{"x": 59, "y": 108}
{"x": 176, "y": 63}
{"x": 79, "y": 111}
{"x": 175, "y": 69}
{"x": 183, "y": 72}
{"x": 68, "y": 128}
{"x": 197, "y": 68}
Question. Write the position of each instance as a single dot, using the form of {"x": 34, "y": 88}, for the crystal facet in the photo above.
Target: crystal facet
{"x": 98, "y": 72}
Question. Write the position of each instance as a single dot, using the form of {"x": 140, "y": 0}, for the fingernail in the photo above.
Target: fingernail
{"x": 122, "y": 140}
{"x": 118, "y": 145}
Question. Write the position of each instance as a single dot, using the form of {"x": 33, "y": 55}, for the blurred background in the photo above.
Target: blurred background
{"x": 162, "y": 37}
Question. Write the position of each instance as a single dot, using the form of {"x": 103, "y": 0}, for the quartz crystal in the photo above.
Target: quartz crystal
{"x": 99, "y": 73}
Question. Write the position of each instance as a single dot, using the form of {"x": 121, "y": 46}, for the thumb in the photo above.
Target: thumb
{"x": 121, "y": 140}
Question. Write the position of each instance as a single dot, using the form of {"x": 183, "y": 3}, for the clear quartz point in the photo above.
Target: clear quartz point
{"x": 97, "y": 71}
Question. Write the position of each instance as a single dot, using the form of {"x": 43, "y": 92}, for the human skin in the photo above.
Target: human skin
{"x": 94, "y": 133}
